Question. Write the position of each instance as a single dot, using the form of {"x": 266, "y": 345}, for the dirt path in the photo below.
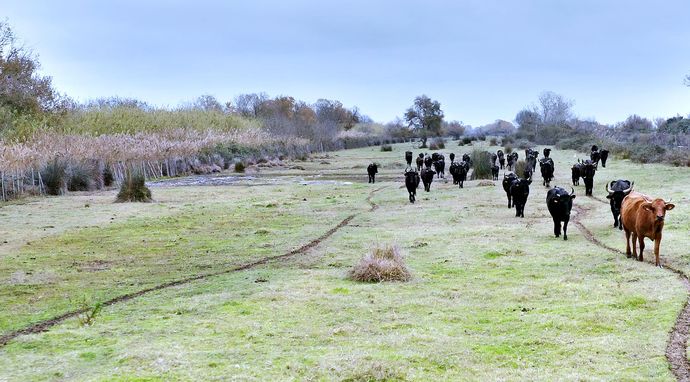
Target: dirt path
{"x": 676, "y": 348}
{"x": 43, "y": 326}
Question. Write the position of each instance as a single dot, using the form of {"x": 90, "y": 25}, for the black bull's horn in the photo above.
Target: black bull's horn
{"x": 626, "y": 191}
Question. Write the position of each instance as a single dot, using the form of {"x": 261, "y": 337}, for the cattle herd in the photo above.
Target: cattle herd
{"x": 639, "y": 215}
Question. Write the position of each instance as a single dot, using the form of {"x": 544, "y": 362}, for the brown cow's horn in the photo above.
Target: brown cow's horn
{"x": 629, "y": 189}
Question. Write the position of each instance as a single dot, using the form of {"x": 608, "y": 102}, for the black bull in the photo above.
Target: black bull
{"x": 560, "y": 203}
{"x": 617, "y": 190}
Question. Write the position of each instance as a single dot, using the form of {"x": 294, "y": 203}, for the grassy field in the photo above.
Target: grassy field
{"x": 493, "y": 297}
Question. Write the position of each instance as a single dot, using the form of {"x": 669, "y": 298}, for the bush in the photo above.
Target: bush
{"x": 466, "y": 141}
{"x": 79, "y": 178}
{"x": 239, "y": 167}
{"x": 647, "y": 154}
{"x": 383, "y": 263}
{"x": 133, "y": 189}
{"x": 678, "y": 158}
{"x": 520, "y": 167}
{"x": 508, "y": 149}
{"x": 493, "y": 141}
{"x": 386, "y": 147}
{"x": 507, "y": 140}
{"x": 481, "y": 164}
{"x": 481, "y": 137}
{"x": 524, "y": 144}
{"x": 53, "y": 176}
{"x": 437, "y": 144}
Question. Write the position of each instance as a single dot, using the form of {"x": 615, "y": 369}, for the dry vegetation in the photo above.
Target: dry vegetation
{"x": 383, "y": 263}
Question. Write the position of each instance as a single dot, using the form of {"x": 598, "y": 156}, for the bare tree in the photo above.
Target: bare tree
{"x": 248, "y": 105}
{"x": 554, "y": 108}
{"x": 207, "y": 102}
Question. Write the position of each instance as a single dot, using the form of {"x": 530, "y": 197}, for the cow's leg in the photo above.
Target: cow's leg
{"x": 628, "y": 253}
{"x": 657, "y": 242}
{"x": 615, "y": 221}
{"x": 641, "y": 240}
{"x": 633, "y": 242}
{"x": 556, "y": 227}
{"x": 565, "y": 229}
{"x": 373, "y": 179}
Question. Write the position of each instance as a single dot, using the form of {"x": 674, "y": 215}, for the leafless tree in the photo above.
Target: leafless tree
{"x": 554, "y": 108}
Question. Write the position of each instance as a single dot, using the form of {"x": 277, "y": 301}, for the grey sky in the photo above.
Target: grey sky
{"x": 483, "y": 60}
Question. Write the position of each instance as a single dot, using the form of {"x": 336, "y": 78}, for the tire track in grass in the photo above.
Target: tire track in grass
{"x": 676, "y": 348}
{"x": 45, "y": 325}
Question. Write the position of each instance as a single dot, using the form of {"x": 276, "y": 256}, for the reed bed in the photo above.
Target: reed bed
{"x": 154, "y": 154}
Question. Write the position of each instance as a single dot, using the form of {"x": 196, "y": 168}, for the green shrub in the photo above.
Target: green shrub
{"x": 507, "y": 140}
{"x": 239, "y": 167}
{"x": 481, "y": 165}
{"x": 133, "y": 189}
{"x": 466, "y": 140}
{"x": 53, "y": 176}
{"x": 493, "y": 141}
{"x": 646, "y": 153}
{"x": 386, "y": 147}
{"x": 508, "y": 149}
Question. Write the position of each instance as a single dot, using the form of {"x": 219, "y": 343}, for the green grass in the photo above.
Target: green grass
{"x": 493, "y": 297}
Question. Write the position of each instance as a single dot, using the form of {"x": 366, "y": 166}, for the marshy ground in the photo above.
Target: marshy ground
{"x": 493, "y": 297}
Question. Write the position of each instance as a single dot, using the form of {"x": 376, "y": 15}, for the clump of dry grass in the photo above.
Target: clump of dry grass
{"x": 383, "y": 263}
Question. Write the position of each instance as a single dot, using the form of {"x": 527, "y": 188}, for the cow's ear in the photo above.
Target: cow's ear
{"x": 572, "y": 197}
{"x": 670, "y": 206}
{"x": 608, "y": 196}
{"x": 648, "y": 207}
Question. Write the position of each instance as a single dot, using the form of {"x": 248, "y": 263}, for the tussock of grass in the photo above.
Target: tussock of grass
{"x": 133, "y": 189}
{"x": 53, "y": 176}
{"x": 108, "y": 177}
{"x": 383, "y": 263}
{"x": 481, "y": 165}
{"x": 239, "y": 167}
{"x": 437, "y": 144}
{"x": 520, "y": 167}
{"x": 79, "y": 178}
{"x": 386, "y": 147}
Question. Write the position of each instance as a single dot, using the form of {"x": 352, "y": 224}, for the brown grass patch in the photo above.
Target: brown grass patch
{"x": 383, "y": 263}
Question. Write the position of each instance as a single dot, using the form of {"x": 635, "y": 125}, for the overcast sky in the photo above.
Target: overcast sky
{"x": 482, "y": 59}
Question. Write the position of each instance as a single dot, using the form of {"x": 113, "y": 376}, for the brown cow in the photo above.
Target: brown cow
{"x": 642, "y": 217}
